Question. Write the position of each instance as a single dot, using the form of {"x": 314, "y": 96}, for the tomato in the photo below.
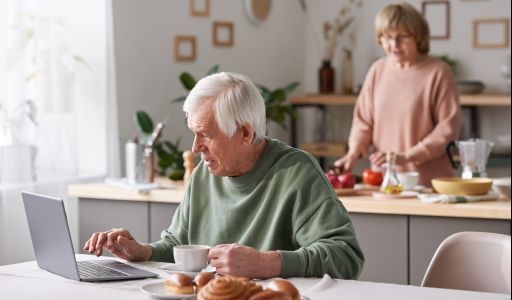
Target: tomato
{"x": 372, "y": 177}
{"x": 347, "y": 180}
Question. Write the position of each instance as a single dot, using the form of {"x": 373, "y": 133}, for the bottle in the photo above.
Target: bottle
{"x": 133, "y": 155}
{"x": 326, "y": 78}
{"x": 347, "y": 73}
{"x": 149, "y": 164}
{"x": 391, "y": 184}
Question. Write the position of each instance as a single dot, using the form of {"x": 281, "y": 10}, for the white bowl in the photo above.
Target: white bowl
{"x": 502, "y": 186}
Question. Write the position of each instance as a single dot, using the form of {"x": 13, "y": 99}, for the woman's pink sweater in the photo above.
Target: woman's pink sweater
{"x": 413, "y": 111}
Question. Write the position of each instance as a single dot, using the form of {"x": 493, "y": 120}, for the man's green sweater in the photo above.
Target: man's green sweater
{"x": 283, "y": 203}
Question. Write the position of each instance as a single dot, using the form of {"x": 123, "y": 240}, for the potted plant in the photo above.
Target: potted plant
{"x": 169, "y": 155}
{"x": 275, "y": 100}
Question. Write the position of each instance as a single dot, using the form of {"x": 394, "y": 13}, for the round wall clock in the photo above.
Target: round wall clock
{"x": 257, "y": 10}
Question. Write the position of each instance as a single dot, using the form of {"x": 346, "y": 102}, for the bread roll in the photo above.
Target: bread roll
{"x": 285, "y": 286}
{"x": 179, "y": 283}
{"x": 225, "y": 288}
{"x": 251, "y": 286}
{"x": 271, "y": 295}
{"x": 202, "y": 279}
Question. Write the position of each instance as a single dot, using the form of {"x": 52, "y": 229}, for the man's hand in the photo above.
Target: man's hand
{"x": 238, "y": 260}
{"x": 120, "y": 243}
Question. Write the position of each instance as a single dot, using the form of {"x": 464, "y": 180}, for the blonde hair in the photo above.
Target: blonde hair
{"x": 404, "y": 17}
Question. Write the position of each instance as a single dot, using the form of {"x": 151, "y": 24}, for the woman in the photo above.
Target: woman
{"x": 408, "y": 103}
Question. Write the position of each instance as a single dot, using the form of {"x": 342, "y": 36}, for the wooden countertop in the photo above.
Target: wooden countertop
{"x": 354, "y": 204}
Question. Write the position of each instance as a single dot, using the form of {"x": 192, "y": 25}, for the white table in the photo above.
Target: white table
{"x": 27, "y": 281}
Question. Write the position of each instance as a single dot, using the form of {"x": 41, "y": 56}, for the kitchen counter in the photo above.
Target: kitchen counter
{"x": 398, "y": 236}
{"x": 354, "y": 204}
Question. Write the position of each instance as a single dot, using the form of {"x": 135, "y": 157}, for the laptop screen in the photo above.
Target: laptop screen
{"x": 49, "y": 230}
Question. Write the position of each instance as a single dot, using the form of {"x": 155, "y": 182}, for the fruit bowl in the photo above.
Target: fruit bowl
{"x": 461, "y": 186}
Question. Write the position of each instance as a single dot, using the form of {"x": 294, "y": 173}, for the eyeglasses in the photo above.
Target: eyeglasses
{"x": 398, "y": 39}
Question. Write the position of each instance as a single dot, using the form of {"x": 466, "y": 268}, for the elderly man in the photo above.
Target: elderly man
{"x": 266, "y": 208}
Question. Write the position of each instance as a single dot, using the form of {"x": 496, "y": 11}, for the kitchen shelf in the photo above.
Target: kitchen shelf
{"x": 341, "y": 99}
{"x": 325, "y": 149}
{"x": 322, "y": 100}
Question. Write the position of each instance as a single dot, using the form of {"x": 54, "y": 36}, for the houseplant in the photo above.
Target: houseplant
{"x": 170, "y": 157}
{"x": 276, "y": 107}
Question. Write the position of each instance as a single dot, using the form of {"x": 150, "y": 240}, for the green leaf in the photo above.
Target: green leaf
{"x": 144, "y": 122}
{"x": 291, "y": 87}
{"x": 213, "y": 70}
{"x": 188, "y": 81}
{"x": 266, "y": 94}
{"x": 279, "y": 95}
{"x": 180, "y": 99}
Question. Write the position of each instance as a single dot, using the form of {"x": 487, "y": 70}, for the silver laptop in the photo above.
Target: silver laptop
{"x": 51, "y": 239}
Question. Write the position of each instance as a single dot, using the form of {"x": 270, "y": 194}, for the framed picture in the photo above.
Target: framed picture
{"x": 184, "y": 48}
{"x": 223, "y": 34}
{"x": 200, "y": 8}
{"x": 437, "y": 14}
{"x": 491, "y": 33}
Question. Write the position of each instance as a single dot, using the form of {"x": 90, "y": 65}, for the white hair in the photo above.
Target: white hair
{"x": 237, "y": 101}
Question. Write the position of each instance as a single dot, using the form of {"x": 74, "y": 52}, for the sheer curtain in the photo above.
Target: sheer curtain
{"x": 56, "y": 90}
{"x": 58, "y": 112}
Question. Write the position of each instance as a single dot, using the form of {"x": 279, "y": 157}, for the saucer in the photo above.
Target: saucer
{"x": 158, "y": 290}
{"x": 173, "y": 268}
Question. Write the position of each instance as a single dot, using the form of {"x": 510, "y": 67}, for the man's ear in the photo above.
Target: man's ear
{"x": 247, "y": 134}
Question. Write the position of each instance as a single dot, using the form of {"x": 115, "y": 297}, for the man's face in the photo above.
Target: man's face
{"x": 220, "y": 153}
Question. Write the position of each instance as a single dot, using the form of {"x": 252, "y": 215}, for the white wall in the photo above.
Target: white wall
{"x": 270, "y": 53}
{"x": 475, "y": 64}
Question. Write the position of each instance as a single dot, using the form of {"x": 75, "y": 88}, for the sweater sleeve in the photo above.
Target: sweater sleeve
{"x": 362, "y": 122}
{"x": 446, "y": 117}
{"x": 328, "y": 245}
{"x": 176, "y": 234}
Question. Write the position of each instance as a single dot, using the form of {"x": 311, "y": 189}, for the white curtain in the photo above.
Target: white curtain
{"x": 57, "y": 86}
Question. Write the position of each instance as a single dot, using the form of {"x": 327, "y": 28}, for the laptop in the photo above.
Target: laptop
{"x": 51, "y": 239}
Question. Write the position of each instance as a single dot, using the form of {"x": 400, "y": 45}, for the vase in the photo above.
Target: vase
{"x": 347, "y": 74}
{"x": 326, "y": 78}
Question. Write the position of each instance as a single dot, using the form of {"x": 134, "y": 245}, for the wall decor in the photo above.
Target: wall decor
{"x": 200, "y": 8}
{"x": 223, "y": 34}
{"x": 437, "y": 14}
{"x": 184, "y": 48}
{"x": 257, "y": 11}
{"x": 491, "y": 33}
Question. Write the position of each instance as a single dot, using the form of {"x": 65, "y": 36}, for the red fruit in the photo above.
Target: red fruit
{"x": 333, "y": 179}
{"x": 372, "y": 177}
{"x": 347, "y": 180}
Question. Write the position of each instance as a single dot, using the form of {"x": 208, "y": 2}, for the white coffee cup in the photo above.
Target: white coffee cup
{"x": 408, "y": 180}
{"x": 191, "y": 258}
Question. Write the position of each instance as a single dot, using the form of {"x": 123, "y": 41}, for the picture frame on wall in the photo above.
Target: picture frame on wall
{"x": 223, "y": 34}
{"x": 437, "y": 14}
{"x": 491, "y": 33}
{"x": 199, "y": 8}
{"x": 184, "y": 48}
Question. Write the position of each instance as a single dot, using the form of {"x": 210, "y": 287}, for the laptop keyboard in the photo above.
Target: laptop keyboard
{"x": 88, "y": 269}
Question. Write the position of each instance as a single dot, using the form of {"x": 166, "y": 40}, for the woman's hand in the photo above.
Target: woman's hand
{"x": 347, "y": 162}
{"x": 379, "y": 158}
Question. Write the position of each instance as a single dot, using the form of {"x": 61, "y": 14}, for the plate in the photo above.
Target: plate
{"x": 402, "y": 195}
{"x": 158, "y": 290}
{"x": 357, "y": 190}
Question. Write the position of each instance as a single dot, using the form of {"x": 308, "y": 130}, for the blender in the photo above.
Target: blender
{"x": 473, "y": 155}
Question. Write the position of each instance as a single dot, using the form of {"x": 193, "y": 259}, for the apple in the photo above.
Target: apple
{"x": 347, "y": 180}
{"x": 333, "y": 179}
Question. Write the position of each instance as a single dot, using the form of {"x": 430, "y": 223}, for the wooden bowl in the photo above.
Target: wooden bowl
{"x": 460, "y": 186}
